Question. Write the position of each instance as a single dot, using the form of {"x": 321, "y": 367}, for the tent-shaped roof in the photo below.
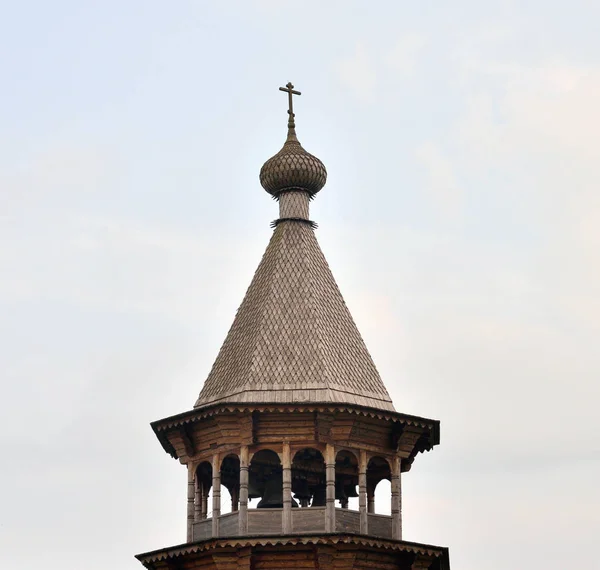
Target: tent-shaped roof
{"x": 293, "y": 339}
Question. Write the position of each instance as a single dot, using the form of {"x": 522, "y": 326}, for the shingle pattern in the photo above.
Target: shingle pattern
{"x": 293, "y": 205}
{"x": 293, "y": 168}
{"x": 293, "y": 339}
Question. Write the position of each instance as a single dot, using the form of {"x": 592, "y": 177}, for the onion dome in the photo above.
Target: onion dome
{"x": 292, "y": 168}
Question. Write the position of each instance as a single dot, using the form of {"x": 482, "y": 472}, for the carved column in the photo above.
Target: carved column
{"x": 287, "y": 489}
{"x": 235, "y": 499}
{"x": 330, "y": 475}
{"x": 191, "y": 495}
{"x": 216, "y": 506}
{"x": 198, "y": 492}
{"x": 370, "y": 499}
{"x": 396, "y": 500}
{"x": 362, "y": 492}
{"x": 204, "y": 511}
{"x": 243, "y": 516}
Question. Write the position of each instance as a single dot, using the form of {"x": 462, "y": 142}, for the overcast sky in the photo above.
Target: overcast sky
{"x": 461, "y": 219}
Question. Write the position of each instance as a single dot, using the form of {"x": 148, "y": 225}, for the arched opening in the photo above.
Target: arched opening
{"x": 346, "y": 480}
{"x": 202, "y": 490}
{"x": 230, "y": 480}
{"x": 308, "y": 479}
{"x": 379, "y": 470}
{"x": 383, "y": 498}
{"x": 265, "y": 481}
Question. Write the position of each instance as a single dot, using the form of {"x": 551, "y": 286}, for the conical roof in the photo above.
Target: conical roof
{"x": 293, "y": 339}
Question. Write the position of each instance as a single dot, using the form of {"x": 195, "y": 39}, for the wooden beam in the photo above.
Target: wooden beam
{"x": 190, "y": 448}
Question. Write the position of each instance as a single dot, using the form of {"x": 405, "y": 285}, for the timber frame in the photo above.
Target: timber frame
{"x": 196, "y": 435}
{"x": 358, "y": 446}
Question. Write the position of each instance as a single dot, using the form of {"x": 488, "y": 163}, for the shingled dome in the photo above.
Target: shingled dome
{"x": 292, "y": 168}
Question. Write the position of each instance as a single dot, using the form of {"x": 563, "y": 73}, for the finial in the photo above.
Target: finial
{"x": 289, "y": 89}
{"x": 292, "y": 168}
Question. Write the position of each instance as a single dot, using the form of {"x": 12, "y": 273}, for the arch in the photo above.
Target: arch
{"x": 346, "y": 479}
{"x": 230, "y": 479}
{"x": 378, "y": 469}
{"x": 203, "y": 485}
{"x": 265, "y": 480}
{"x": 383, "y": 498}
{"x": 308, "y": 478}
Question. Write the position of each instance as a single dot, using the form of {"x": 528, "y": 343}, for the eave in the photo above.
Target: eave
{"x": 150, "y": 559}
{"x": 161, "y": 427}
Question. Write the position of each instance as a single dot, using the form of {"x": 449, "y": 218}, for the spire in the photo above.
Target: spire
{"x": 292, "y": 168}
{"x": 293, "y": 339}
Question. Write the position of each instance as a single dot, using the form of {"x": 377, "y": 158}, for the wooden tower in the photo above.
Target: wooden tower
{"x": 295, "y": 416}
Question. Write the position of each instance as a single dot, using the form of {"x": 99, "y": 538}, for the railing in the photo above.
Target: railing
{"x": 202, "y": 530}
{"x": 264, "y": 521}
{"x": 308, "y": 520}
{"x": 229, "y": 524}
{"x": 380, "y": 525}
{"x": 304, "y": 521}
{"x": 347, "y": 521}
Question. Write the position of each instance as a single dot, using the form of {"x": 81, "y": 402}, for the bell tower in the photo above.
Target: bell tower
{"x": 294, "y": 418}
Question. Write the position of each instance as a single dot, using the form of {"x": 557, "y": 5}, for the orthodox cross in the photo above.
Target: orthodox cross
{"x": 289, "y": 89}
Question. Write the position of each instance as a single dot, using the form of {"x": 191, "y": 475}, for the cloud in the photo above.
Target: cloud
{"x": 441, "y": 184}
{"x": 357, "y": 72}
{"x": 404, "y": 55}
{"x": 537, "y": 132}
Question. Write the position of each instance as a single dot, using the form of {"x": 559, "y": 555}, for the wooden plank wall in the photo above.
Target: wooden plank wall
{"x": 308, "y": 520}
{"x": 273, "y": 427}
{"x": 380, "y": 525}
{"x": 264, "y": 521}
{"x": 202, "y": 530}
{"x": 228, "y": 524}
{"x": 347, "y": 521}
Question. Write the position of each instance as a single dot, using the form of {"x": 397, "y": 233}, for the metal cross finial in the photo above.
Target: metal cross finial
{"x": 289, "y": 89}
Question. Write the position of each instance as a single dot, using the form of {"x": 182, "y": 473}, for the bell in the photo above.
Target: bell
{"x": 273, "y": 495}
{"x": 320, "y": 496}
{"x": 340, "y": 491}
{"x": 340, "y": 494}
{"x": 350, "y": 491}
{"x": 254, "y": 489}
{"x": 302, "y": 492}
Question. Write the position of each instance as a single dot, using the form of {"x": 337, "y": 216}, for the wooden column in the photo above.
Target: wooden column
{"x": 191, "y": 495}
{"x": 396, "y": 500}
{"x": 204, "y": 511}
{"x": 198, "y": 492}
{"x": 243, "y": 516}
{"x": 330, "y": 475}
{"x": 235, "y": 499}
{"x": 362, "y": 492}
{"x": 286, "y": 525}
{"x": 370, "y": 500}
{"x": 216, "y": 506}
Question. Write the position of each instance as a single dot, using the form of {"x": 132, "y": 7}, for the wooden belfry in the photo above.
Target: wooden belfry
{"x": 295, "y": 418}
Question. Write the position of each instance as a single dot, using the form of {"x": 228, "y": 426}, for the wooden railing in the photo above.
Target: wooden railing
{"x": 304, "y": 521}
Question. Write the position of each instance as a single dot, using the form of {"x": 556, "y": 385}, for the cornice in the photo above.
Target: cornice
{"x": 290, "y": 540}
